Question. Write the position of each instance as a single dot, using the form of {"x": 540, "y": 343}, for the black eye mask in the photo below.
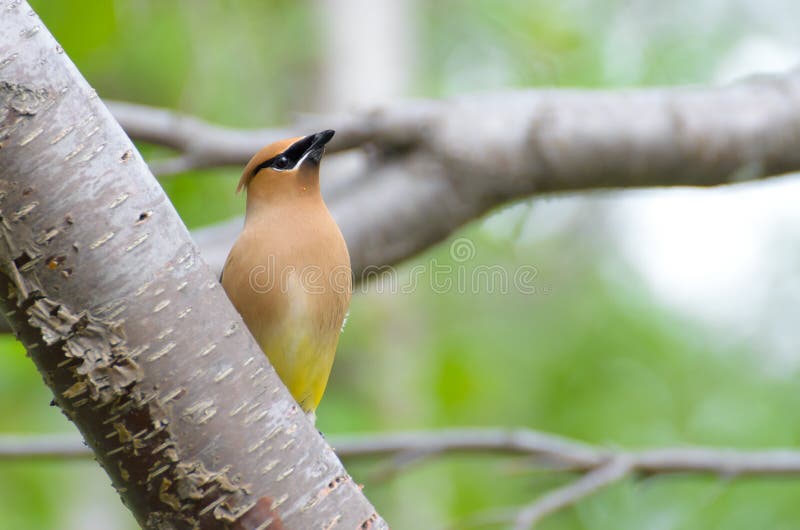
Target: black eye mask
{"x": 289, "y": 158}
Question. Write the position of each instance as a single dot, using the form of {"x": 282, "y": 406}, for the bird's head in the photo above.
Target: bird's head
{"x": 285, "y": 167}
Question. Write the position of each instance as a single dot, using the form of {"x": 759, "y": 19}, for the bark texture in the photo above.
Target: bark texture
{"x": 130, "y": 329}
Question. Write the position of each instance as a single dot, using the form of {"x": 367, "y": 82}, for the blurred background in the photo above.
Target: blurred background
{"x": 660, "y": 317}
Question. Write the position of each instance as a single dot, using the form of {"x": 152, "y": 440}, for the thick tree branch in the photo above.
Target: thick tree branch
{"x": 130, "y": 329}
{"x": 435, "y": 165}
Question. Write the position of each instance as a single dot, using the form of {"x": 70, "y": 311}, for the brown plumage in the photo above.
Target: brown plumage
{"x": 288, "y": 273}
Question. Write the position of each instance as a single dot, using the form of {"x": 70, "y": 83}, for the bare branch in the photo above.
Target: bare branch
{"x": 43, "y": 447}
{"x": 436, "y": 165}
{"x": 204, "y": 144}
{"x": 553, "y": 450}
{"x": 525, "y": 442}
{"x": 722, "y": 461}
{"x": 207, "y": 145}
{"x": 616, "y": 469}
{"x": 601, "y": 466}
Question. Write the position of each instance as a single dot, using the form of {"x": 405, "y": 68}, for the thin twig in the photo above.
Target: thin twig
{"x": 614, "y": 470}
{"x": 397, "y": 464}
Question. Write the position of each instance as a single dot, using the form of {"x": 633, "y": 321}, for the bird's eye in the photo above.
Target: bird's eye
{"x": 282, "y": 162}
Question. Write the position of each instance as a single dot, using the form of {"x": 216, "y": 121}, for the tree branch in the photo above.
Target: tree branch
{"x": 43, "y": 447}
{"x": 435, "y": 165}
{"x": 563, "y": 454}
{"x": 204, "y": 144}
{"x": 613, "y": 471}
{"x": 571, "y": 455}
{"x": 600, "y": 465}
{"x": 129, "y": 328}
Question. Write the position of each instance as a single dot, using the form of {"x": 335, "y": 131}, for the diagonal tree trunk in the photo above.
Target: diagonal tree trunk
{"x": 129, "y": 328}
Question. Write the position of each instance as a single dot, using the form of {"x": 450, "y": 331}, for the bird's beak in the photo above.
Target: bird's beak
{"x": 316, "y": 144}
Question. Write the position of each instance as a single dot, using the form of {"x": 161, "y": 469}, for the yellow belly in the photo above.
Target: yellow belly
{"x": 303, "y": 362}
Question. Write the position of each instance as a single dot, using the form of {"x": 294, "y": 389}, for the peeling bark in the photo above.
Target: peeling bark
{"x": 129, "y": 328}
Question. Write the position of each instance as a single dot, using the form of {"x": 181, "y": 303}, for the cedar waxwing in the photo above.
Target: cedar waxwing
{"x": 288, "y": 274}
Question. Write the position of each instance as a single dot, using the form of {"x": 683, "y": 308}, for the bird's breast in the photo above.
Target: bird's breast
{"x": 297, "y": 275}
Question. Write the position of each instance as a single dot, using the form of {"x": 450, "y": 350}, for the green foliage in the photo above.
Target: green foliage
{"x": 585, "y": 354}
{"x": 584, "y": 358}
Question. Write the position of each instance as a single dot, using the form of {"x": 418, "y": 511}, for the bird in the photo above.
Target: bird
{"x": 288, "y": 273}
